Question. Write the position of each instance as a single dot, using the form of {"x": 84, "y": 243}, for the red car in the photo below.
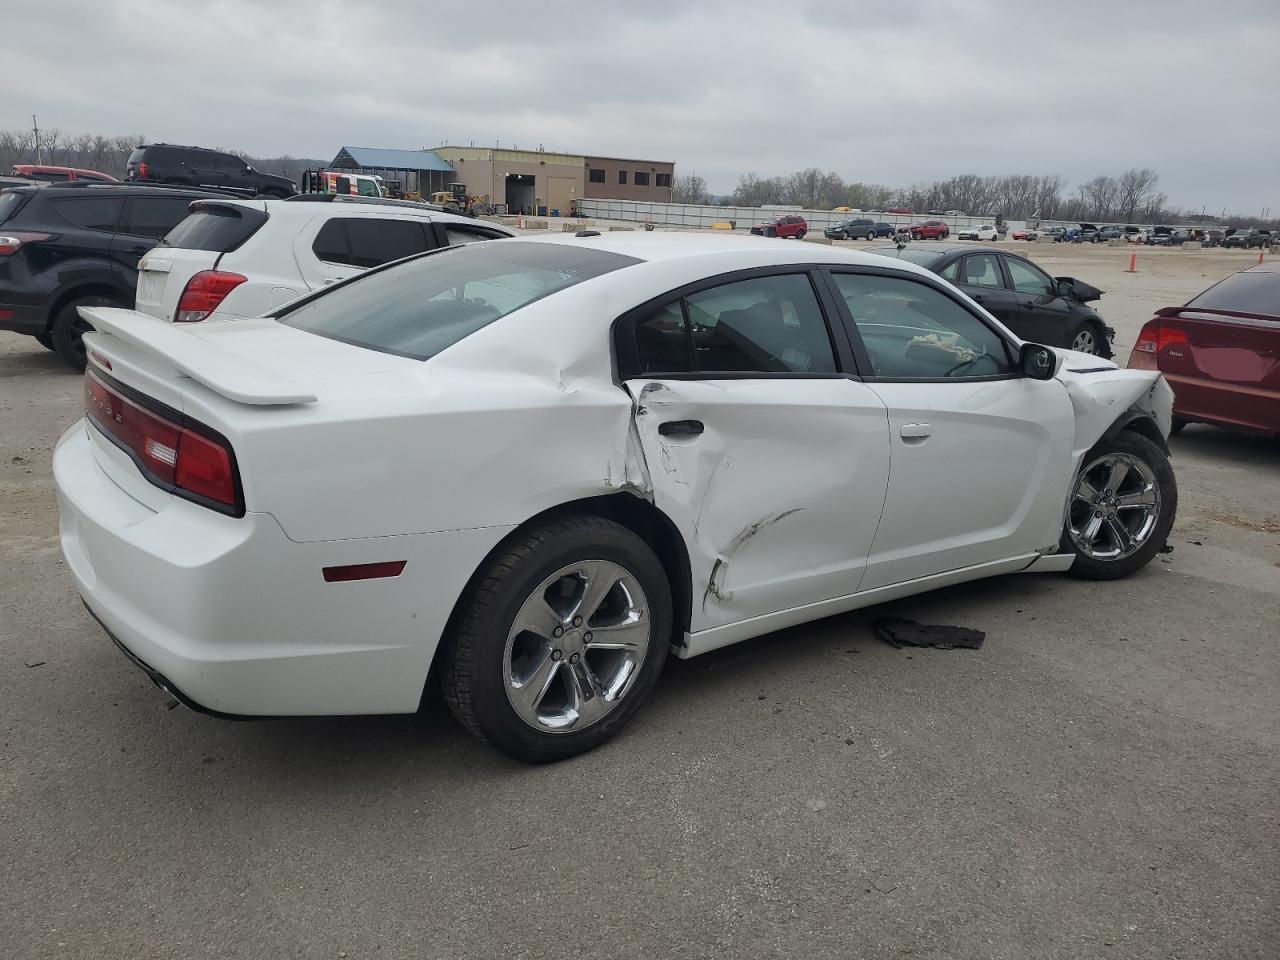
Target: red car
{"x": 1221, "y": 352}
{"x": 787, "y": 226}
{"x": 930, "y": 230}
{"x": 36, "y": 171}
{"x": 1026, "y": 233}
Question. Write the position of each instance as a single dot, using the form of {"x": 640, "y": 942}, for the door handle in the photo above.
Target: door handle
{"x": 329, "y": 280}
{"x": 915, "y": 432}
{"x": 978, "y": 298}
{"x": 680, "y": 428}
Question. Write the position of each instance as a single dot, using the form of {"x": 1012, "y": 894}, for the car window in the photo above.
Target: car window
{"x": 1027, "y": 278}
{"x": 767, "y": 324}
{"x": 216, "y": 228}
{"x": 370, "y": 241}
{"x": 913, "y": 331}
{"x": 92, "y": 213}
{"x": 153, "y": 216}
{"x": 228, "y": 163}
{"x": 951, "y": 271}
{"x": 982, "y": 270}
{"x": 367, "y": 188}
{"x": 459, "y": 234}
{"x": 418, "y": 308}
{"x": 662, "y": 341}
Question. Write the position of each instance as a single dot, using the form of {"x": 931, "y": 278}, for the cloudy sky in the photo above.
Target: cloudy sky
{"x": 882, "y": 91}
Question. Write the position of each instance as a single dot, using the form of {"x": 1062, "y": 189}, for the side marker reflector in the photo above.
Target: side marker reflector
{"x": 363, "y": 571}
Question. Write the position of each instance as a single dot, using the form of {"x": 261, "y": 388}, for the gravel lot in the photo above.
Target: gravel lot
{"x": 1099, "y": 780}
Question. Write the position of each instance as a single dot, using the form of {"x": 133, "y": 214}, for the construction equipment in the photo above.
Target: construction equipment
{"x": 457, "y": 200}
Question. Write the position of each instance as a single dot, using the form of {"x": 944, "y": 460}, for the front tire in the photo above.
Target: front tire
{"x": 1123, "y": 504}
{"x": 871, "y": 235}
{"x": 560, "y": 640}
{"x": 1086, "y": 338}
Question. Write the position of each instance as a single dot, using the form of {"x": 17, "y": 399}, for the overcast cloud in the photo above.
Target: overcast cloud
{"x": 886, "y": 91}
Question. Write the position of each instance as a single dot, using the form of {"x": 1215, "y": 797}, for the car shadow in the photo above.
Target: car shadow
{"x": 35, "y": 360}
{"x": 1223, "y": 444}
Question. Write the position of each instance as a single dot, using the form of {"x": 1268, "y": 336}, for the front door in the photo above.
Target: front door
{"x": 1046, "y": 316}
{"x": 767, "y": 456}
{"x": 981, "y": 456}
{"x": 979, "y": 275}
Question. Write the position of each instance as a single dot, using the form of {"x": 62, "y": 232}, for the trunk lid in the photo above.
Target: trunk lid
{"x": 198, "y": 243}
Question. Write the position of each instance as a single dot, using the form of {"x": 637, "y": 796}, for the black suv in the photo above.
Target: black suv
{"x": 198, "y": 167}
{"x": 69, "y": 246}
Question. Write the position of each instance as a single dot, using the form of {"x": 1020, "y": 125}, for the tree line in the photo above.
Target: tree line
{"x": 110, "y": 155}
{"x": 1131, "y": 197}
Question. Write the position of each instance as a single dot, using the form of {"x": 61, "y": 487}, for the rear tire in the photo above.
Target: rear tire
{"x": 69, "y": 328}
{"x": 1115, "y": 530}
{"x": 799, "y": 234}
{"x": 45, "y": 340}
{"x": 486, "y": 655}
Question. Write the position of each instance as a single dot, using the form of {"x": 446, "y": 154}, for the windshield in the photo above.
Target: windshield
{"x": 1249, "y": 292}
{"x": 421, "y": 306}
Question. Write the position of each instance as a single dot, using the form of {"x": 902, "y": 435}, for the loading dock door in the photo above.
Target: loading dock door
{"x": 520, "y": 193}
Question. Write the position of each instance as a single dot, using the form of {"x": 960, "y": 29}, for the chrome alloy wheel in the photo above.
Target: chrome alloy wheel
{"x": 1114, "y": 508}
{"x": 576, "y": 646}
{"x": 1086, "y": 341}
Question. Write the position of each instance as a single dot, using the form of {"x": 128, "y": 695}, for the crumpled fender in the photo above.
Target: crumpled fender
{"x": 1106, "y": 398}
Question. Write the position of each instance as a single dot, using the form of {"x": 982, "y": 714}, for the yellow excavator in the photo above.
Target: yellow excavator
{"x": 457, "y": 200}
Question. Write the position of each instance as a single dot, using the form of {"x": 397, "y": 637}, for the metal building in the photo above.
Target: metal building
{"x": 420, "y": 171}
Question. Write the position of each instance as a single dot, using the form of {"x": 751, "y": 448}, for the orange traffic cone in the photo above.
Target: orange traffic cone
{"x": 1259, "y": 256}
{"x": 1133, "y": 263}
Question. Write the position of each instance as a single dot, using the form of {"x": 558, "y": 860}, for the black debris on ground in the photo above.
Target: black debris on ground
{"x": 899, "y": 633}
{"x": 1167, "y": 548}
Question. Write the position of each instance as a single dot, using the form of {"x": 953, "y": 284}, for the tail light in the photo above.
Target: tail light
{"x": 142, "y": 171}
{"x": 203, "y": 293}
{"x": 172, "y": 452}
{"x": 11, "y": 243}
{"x": 1155, "y": 337}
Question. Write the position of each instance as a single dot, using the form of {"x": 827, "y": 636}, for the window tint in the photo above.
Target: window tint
{"x": 220, "y": 229}
{"x": 153, "y": 216}
{"x": 642, "y": 179}
{"x": 596, "y": 175}
{"x": 663, "y": 180}
{"x": 662, "y": 341}
{"x": 419, "y": 308}
{"x": 761, "y": 325}
{"x": 227, "y": 163}
{"x": 913, "y": 331}
{"x": 1253, "y": 291}
{"x": 622, "y": 177}
{"x": 9, "y": 204}
{"x": 982, "y": 270}
{"x": 1028, "y": 279}
{"x": 367, "y": 188}
{"x": 951, "y": 271}
{"x": 370, "y": 241}
{"x": 92, "y": 213}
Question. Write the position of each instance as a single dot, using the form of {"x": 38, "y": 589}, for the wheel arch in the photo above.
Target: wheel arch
{"x": 1141, "y": 424}
{"x": 626, "y": 509}
{"x": 91, "y": 288}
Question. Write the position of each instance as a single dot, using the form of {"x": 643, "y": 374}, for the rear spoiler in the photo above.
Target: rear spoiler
{"x": 197, "y": 357}
{"x": 1212, "y": 311}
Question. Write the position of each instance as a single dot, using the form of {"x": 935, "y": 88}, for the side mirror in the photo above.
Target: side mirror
{"x": 1065, "y": 288}
{"x": 1037, "y": 362}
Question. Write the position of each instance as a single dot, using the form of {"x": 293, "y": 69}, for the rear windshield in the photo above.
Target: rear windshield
{"x": 10, "y": 201}
{"x": 925, "y": 258}
{"x": 1248, "y": 292}
{"x": 422, "y": 306}
{"x": 220, "y": 229}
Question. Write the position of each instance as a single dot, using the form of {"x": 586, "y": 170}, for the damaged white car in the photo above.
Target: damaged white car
{"x": 538, "y": 465}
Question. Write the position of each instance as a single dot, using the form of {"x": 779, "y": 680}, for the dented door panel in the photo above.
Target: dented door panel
{"x": 779, "y": 493}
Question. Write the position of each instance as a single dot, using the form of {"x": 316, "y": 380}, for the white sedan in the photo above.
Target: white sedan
{"x": 538, "y": 465}
{"x": 983, "y": 232}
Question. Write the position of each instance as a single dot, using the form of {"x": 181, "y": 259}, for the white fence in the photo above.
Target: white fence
{"x": 703, "y": 215}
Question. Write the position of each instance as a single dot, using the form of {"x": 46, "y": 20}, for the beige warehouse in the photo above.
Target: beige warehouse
{"x": 525, "y": 180}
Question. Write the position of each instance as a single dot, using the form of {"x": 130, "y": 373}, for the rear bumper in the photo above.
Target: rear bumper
{"x": 20, "y": 318}
{"x": 234, "y": 618}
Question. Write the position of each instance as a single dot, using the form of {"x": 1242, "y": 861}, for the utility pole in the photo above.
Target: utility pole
{"x": 35, "y": 128}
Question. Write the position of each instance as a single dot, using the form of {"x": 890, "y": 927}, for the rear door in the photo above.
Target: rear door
{"x": 95, "y": 216}
{"x": 981, "y": 456}
{"x": 767, "y": 452}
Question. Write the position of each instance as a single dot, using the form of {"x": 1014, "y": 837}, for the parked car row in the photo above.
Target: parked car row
{"x": 63, "y": 247}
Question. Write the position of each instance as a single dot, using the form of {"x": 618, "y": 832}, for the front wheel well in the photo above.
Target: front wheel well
{"x": 1143, "y": 426}
{"x": 638, "y": 515}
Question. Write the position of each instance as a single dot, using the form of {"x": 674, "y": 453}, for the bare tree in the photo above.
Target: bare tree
{"x": 689, "y": 188}
{"x": 1135, "y": 189}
